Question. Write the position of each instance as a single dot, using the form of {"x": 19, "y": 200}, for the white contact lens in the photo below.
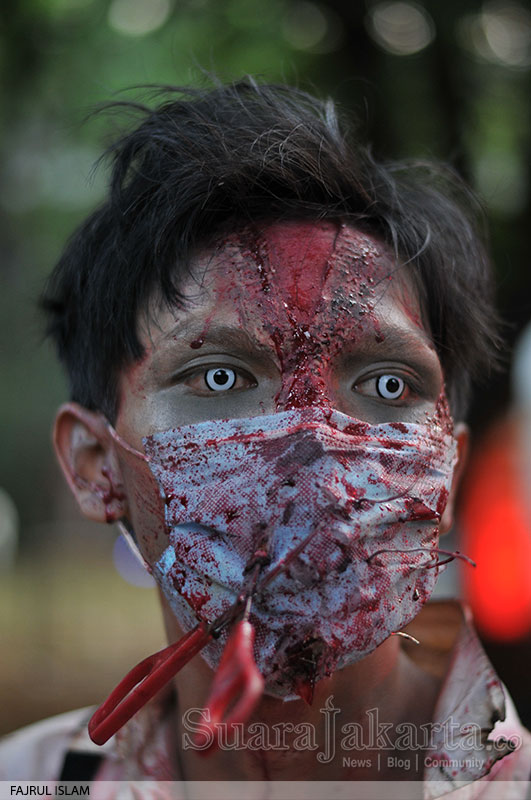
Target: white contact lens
{"x": 390, "y": 387}
{"x": 220, "y": 379}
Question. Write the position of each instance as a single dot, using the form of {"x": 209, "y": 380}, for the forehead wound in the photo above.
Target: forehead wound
{"x": 310, "y": 288}
{"x": 306, "y": 268}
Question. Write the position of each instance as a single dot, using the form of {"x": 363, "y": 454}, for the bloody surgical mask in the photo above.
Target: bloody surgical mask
{"x": 341, "y": 517}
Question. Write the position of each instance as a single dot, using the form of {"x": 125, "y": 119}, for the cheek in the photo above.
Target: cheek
{"x": 135, "y": 389}
{"x": 146, "y": 509}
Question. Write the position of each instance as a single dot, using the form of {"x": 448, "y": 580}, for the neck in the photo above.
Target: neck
{"x": 295, "y": 741}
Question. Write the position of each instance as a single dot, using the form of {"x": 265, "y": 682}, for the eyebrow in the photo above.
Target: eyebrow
{"x": 236, "y": 339}
{"x": 396, "y": 343}
{"x": 240, "y": 342}
{"x": 400, "y": 337}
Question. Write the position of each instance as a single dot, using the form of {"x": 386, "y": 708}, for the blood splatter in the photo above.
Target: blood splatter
{"x": 316, "y": 284}
{"x": 112, "y": 492}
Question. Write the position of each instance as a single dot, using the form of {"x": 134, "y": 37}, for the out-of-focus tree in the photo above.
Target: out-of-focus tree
{"x": 424, "y": 78}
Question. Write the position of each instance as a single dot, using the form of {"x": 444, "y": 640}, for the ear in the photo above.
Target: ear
{"x": 86, "y": 453}
{"x": 461, "y": 433}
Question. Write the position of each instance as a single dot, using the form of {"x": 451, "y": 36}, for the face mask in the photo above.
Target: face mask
{"x": 336, "y": 518}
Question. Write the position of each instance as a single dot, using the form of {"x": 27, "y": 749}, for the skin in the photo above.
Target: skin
{"x": 296, "y": 314}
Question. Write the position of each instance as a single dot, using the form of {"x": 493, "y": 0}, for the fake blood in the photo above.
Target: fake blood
{"x": 316, "y": 285}
{"x": 113, "y": 492}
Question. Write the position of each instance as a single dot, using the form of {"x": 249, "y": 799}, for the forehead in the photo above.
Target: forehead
{"x": 298, "y": 279}
{"x": 304, "y": 261}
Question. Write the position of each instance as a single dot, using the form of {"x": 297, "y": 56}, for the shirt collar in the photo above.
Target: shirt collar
{"x": 464, "y": 743}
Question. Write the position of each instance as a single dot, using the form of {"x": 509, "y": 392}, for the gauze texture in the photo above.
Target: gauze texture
{"x": 357, "y": 488}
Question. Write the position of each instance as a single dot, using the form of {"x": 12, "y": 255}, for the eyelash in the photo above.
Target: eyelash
{"x": 202, "y": 373}
{"x": 409, "y": 387}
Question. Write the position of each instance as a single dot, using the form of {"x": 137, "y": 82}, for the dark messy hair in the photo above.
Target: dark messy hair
{"x": 206, "y": 160}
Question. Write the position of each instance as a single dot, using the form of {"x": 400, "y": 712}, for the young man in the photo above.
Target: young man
{"x": 270, "y": 339}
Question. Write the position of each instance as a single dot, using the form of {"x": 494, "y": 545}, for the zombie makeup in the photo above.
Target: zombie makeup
{"x": 312, "y": 293}
{"x": 291, "y": 315}
{"x": 316, "y": 453}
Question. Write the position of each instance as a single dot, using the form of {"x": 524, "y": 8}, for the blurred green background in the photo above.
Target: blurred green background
{"x": 448, "y": 79}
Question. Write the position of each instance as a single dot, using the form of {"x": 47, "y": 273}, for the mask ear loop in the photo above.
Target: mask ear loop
{"x": 125, "y": 445}
{"x": 129, "y": 539}
{"x": 123, "y": 527}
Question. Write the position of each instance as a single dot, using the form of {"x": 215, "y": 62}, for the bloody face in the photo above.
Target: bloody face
{"x": 284, "y": 316}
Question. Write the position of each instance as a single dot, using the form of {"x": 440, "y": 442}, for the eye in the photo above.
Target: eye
{"x": 390, "y": 387}
{"x": 209, "y": 379}
{"x": 219, "y": 379}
